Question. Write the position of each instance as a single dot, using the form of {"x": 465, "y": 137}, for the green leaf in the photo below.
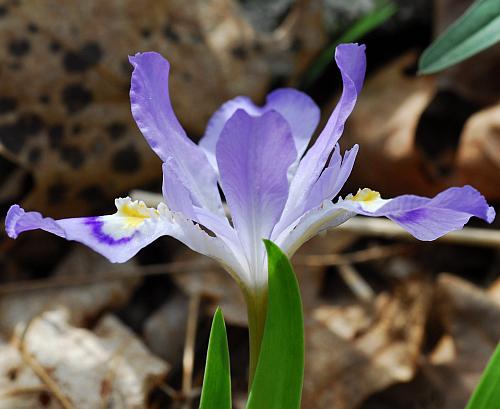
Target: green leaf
{"x": 487, "y": 394}
{"x": 382, "y": 12}
{"x": 216, "y": 392}
{"x": 477, "y": 29}
{"x": 277, "y": 383}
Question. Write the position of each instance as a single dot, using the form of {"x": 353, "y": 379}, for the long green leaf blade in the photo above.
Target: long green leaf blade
{"x": 279, "y": 375}
{"x": 477, "y": 29}
{"x": 487, "y": 394}
{"x": 216, "y": 392}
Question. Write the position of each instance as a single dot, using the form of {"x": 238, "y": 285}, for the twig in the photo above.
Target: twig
{"x": 201, "y": 264}
{"x": 365, "y": 226}
{"x": 188, "y": 357}
{"x": 40, "y": 371}
{"x": 361, "y": 256}
{"x": 356, "y": 283}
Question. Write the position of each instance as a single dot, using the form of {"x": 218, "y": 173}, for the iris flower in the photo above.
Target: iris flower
{"x": 274, "y": 187}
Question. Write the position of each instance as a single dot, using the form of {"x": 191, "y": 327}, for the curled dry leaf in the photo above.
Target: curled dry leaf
{"x": 349, "y": 362}
{"x": 471, "y": 320}
{"x": 55, "y": 365}
{"x": 78, "y": 285}
{"x": 478, "y": 156}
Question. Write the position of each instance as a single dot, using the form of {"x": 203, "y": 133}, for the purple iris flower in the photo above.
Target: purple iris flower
{"x": 274, "y": 189}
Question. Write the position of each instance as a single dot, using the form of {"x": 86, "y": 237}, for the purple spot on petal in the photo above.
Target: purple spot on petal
{"x": 96, "y": 225}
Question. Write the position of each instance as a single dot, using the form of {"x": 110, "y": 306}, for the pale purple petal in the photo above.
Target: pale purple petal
{"x": 351, "y": 61}
{"x": 299, "y": 110}
{"x": 18, "y": 221}
{"x": 153, "y": 113}
{"x": 120, "y": 236}
{"x": 253, "y": 156}
{"x": 107, "y": 235}
{"x": 217, "y": 121}
{"x": 425, "y": 218}
{"x": 175, "y": 194}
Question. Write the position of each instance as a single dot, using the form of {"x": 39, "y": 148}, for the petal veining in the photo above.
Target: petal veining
{"x": 253, "y": 155}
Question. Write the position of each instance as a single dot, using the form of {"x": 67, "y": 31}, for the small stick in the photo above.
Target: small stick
{"x": 201, "y": 264}
{"x": 360, "y": 256}
{"x": 40, "y": 371}
{"x": 356, "y": 283}
{"x": 188, "y": 357}
{"x": 365, "y": 226}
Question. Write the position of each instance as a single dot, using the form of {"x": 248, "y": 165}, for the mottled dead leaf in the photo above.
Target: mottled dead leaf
{"x": 83, "y": 301}
{"x": 52, "y": 364}
{"x": 348, "y": 362}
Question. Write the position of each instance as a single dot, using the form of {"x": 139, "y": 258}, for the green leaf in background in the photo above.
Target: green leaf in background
{"x": 477, "y": 29}
{"x": 277, "y": 383}
{"x": 487, "y": 394}
{"x": 382, "y": 12}
{"x": 216, "y": 392}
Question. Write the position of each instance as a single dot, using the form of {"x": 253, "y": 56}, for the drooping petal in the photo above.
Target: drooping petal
{"x": 424, "y": 218}
{"x": 351, "y": 60}
{"x": 153, "y": 113}
{"x": 299, "y": 110}
{"x": 253, "y": 156}
{"x": 118, "y": 237}
{"x": 121, "y": 235}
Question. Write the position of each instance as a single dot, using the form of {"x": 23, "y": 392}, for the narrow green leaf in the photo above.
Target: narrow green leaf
{"x": 487, "y": 394}
{"x": 278, "y": 379}
{"x": 382, "y": 12}
{"x": 216, "y": 392}
{"x": 477, "y": 29}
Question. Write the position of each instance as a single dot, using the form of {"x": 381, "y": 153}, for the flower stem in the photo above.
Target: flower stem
{"x": 256, "y": 311}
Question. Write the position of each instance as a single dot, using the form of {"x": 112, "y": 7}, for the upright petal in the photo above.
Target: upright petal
{"x": 153, "y": 113}
{"x": 299, "y": 110}
{"x": 351, "y": 60}
{"x": 253, "y": 155}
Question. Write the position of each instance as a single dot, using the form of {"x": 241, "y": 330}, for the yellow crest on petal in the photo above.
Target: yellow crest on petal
{"x": 366, "y": 195}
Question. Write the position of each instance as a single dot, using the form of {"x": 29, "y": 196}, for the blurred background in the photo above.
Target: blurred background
{"x": 390, "y": 323}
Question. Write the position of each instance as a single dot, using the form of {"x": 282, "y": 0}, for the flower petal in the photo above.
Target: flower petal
{"x": 351, "y": 61}
{"x": 153, "y": 113}
{"x": 253, "y": 155}
{"x": 120, "y": 236}
{"x": 327, "y": 187}
{"x": 425, "y": 218}
{"x": 299, "y": 110}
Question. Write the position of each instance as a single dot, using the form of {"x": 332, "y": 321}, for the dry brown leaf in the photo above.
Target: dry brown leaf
{"x": 56, "y": 361}
{"x": 347, "y": 364}
{"x": 478, "y": 156}
{"x": 83, "y": 302}
{"x": 472, "y": 330}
